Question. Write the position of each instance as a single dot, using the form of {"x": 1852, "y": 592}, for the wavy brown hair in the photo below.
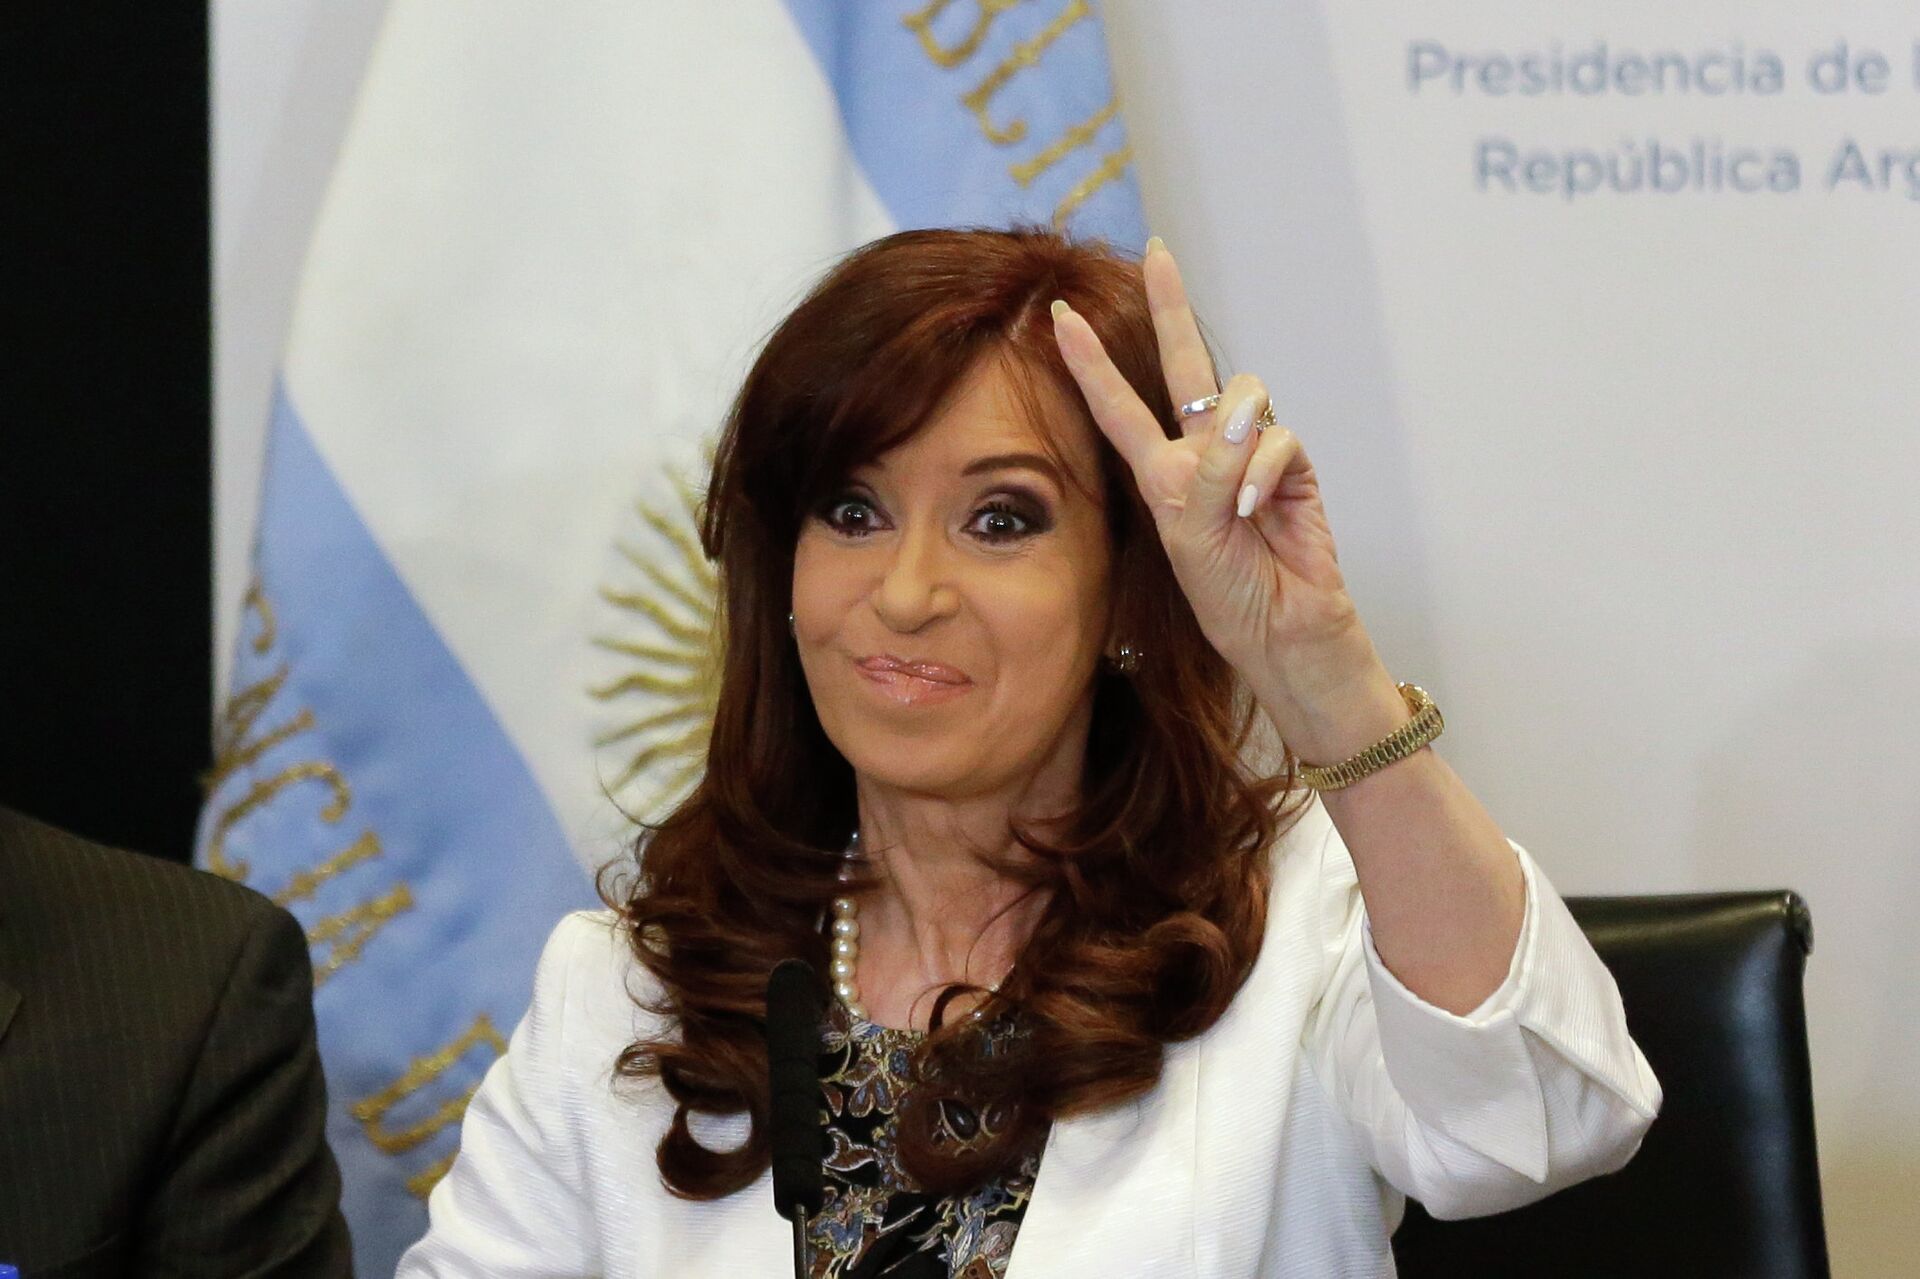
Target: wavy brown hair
{"x": 1157, "y": 884}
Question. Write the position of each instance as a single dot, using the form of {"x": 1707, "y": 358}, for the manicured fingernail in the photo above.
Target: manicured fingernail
{"x": 1155, "y": 242}
{"x": 1242, "y": 421}
{"x": 1059, "y": 308}
{"x": 1248, "y": 496}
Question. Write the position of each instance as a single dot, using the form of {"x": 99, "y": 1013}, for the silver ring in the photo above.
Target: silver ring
{"x": 1193, "y": 407}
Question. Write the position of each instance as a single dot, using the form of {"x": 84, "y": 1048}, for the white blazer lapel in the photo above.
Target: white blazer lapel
{"x": 1115, "y": 1193}
{"x": 739, "y": 1234}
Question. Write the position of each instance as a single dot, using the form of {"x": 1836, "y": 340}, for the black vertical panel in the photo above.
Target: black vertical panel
{"x": 105, "y": 418}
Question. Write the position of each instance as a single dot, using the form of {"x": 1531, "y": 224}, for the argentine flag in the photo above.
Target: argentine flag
{"x": 477, "y": 629}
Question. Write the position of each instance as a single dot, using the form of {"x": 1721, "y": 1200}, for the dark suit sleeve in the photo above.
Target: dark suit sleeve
{"x": 247, "y": 1185}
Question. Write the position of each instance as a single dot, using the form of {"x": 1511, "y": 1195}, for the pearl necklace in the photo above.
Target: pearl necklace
{"x": 845, "y": 946}
{"x": 846, "y": 939}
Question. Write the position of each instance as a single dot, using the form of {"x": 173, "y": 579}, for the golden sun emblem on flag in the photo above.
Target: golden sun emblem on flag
{"x": 671, "y": 646}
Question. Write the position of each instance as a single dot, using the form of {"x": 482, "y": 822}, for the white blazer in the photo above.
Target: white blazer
{"x": 1281, "y": 1142}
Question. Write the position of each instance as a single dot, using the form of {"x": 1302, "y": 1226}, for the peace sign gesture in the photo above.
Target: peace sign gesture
{"x": 1238, "y": 508}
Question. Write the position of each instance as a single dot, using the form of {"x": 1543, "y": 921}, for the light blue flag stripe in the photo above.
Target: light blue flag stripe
{"x": 466, "y": 840}
{"x": 920, "y": 128}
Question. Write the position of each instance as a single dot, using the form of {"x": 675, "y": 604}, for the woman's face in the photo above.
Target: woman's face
{"x": 950, "y": 601}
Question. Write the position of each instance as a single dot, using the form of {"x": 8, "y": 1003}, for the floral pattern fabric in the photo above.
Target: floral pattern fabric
{"x": 876, "y": 1220}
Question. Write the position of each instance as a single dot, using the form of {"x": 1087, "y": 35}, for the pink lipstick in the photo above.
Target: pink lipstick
{"x": 913, "y": 682}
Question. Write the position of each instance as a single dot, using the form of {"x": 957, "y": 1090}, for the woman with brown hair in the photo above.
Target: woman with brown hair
{"x": 1010, "y": 587}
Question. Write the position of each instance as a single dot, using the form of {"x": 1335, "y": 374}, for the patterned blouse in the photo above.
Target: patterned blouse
{"x": 877, "y": 1221}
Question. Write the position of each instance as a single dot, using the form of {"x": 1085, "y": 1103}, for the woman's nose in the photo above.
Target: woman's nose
{"x": 915, "y": 587}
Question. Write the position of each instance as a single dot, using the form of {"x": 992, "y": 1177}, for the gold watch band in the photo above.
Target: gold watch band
{"x": 1402, "y": 742}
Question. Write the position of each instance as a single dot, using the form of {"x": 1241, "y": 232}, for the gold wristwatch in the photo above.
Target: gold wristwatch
{"x": 1402, "y": 742}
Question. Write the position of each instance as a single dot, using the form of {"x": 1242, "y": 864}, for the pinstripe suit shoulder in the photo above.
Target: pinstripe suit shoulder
{"x": 162, "y": 1108}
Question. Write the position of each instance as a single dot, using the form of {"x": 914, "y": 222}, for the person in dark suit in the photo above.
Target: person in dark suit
{"x": 162, "y": 1109}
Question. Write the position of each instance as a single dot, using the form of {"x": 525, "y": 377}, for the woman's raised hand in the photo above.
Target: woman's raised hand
{"x": 1238, "y": 510}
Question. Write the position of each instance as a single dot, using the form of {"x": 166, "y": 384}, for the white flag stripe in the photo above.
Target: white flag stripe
{"x": 534, "y": 277}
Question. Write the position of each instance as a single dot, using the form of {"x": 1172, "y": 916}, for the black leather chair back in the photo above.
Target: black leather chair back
{"x": 1726, "y": 1183}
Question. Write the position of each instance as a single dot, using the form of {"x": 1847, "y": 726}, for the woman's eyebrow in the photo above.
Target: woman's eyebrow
{"x": 1010, "y": 461}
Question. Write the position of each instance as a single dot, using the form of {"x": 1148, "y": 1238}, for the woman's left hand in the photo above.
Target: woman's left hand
{"x": 1239, "y": 512}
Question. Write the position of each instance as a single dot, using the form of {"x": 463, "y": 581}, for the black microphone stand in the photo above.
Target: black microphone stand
{"x": 795, "y": 1007}
{"x": 802, "y": 1263}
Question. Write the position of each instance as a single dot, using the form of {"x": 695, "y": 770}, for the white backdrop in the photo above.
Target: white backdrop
{"x": 1620, "y": 475}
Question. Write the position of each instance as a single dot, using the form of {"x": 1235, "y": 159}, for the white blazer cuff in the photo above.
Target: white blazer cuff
{"x": 1473, "y": 1078}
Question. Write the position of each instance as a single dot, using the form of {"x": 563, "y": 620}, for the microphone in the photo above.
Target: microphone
{"x": 795, "y": 1006}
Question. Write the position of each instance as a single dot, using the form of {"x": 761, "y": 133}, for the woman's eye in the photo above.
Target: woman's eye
{"x": 850, "y": 516}
{"x": 1003, "y": 522}
{"x": 995, "y": 522}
